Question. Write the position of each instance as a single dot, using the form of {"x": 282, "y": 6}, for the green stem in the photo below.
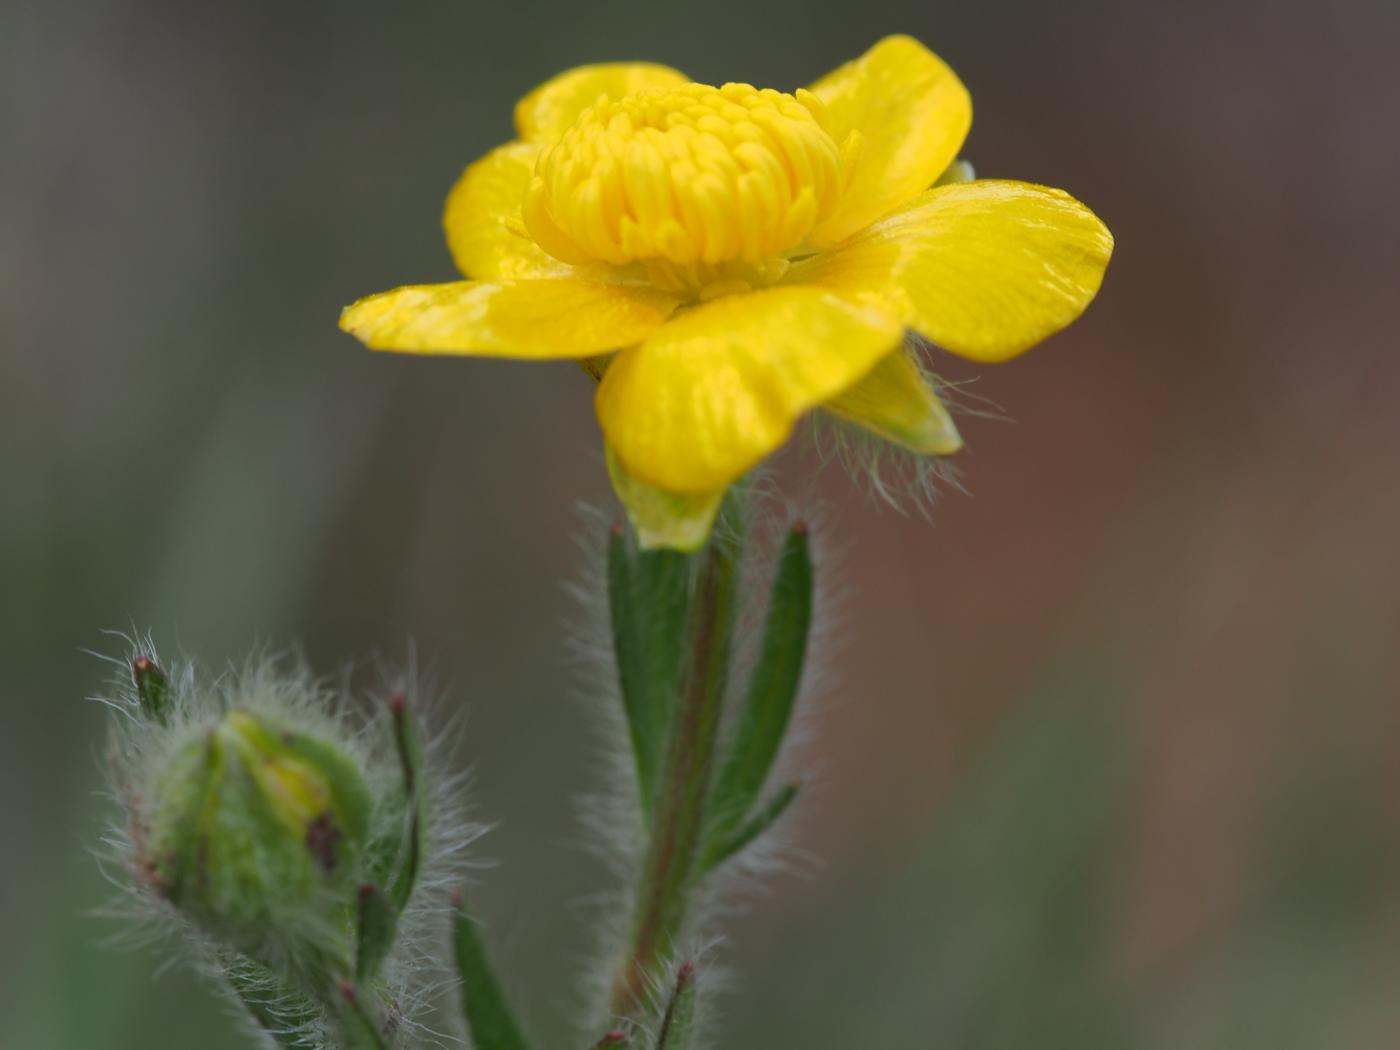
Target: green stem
{"x": 671, "y": 865}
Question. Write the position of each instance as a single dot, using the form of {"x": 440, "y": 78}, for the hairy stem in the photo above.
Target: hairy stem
{"x": 672, "y": 861}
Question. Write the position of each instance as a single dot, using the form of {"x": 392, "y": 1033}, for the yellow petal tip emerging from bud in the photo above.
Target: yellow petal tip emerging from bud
{"x": 253, "y": 830}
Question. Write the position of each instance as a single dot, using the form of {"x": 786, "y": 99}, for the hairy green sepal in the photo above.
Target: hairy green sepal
{"x": 254, "y": 834}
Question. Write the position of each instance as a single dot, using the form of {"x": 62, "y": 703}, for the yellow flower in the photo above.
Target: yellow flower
{"x": 745, "y": 256}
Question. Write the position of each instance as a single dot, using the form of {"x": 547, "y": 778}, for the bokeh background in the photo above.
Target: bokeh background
{"x": 1110, "y": 760}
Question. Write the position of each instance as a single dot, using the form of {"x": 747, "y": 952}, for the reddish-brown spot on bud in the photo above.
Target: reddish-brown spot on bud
{"x": 323, "y": 840}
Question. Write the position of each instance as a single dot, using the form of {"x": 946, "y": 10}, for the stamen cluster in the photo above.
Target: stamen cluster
{"x": 694, "y": 177}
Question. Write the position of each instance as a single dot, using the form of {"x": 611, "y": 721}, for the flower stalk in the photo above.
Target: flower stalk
{"x": 703, "y": 795}
{"x": 674, "y": 849}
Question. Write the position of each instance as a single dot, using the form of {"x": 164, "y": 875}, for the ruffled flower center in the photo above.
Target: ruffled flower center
{"x": 704, "y": 188}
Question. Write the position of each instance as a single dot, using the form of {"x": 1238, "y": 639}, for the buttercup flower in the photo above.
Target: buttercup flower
{"x": 729, "y": 259}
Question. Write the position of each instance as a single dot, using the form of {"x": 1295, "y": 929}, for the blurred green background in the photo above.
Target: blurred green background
{"x": 1108, "y": 756}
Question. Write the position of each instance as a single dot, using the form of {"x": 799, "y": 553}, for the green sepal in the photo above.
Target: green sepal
{"x": 281, "y": 1013}
{"x": 960, "y": 170}
{"x": 254, "y": 834}
{"x": 257, "y": 798}
{"x": 152, "y": 688}
{"x": 410, "y": 751}
{"x": 187, "y": 788}
{"x": 376, "y": 924}
{"x": 676, "y": 521}
{"x": 721, "y": 847}
{"x": 767, "y": 708}
{"x": 493, "y": 1026}
{"x": 678, "y": 1025}
{"x": 648, "y": 601}
{"x": 349, "y": 794}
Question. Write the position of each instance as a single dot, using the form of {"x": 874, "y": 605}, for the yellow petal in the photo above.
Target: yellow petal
{"x": 984, "y": 269}
{"x": 896, "y": 402}
{"x": 721, "y": 386}
{"x": 677, "y": 520}
{"x": 900, "y": 115}
{"x": 528, "y": 319}
{"x": 482, "y": 219}
{"x": 545, "y": 114}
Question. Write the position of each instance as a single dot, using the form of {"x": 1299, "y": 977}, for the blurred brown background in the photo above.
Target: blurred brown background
{"x": 1109, "y": 759}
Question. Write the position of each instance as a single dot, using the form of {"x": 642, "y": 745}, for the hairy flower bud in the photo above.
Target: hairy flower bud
{"x": 288, "y": 833}
{"x": 255, "y": 829}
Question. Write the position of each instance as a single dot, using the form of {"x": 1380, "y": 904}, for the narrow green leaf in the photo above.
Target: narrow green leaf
{"x": 488, "y": 1014}
{"x": 152, "y": 688}
{"x": 361, "y": 1030}
{"x": 767, "y": 708}
{"x": 678, "y": 1026}
{"x": 648, "y": 598}
{"x": 376, "y": 923}
{"x": 722, "y": 847}
{"x": 642, "y": 723}
{"x": 411, "y": 762}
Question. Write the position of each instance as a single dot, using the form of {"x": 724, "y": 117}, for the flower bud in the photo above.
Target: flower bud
{"x": 255, "y": 832}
